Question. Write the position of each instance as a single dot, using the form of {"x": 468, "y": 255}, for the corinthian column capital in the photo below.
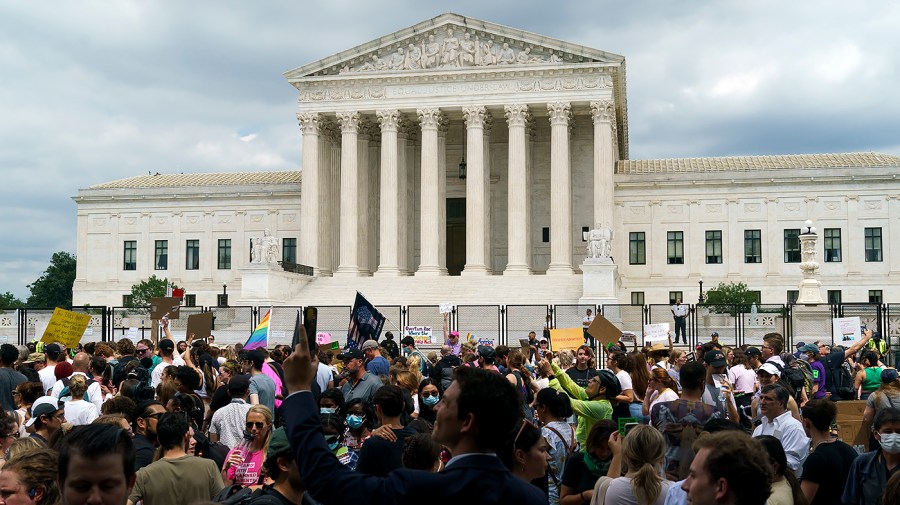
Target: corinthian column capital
{"x": 309, "y": 122}
{"x": 349, "y": 121}
{"x": 388, "y": 119}
{"x": 516, "y": 114}
{"x": 603, "y": 110}
{"x": 430, "y": 119}
{"x": 474, "y": 115}
{"x": 559, "y": 112}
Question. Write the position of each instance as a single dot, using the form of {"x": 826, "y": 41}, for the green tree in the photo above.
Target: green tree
{"x": 54, "y": 287}
{"x": 9, "y": 301}
{"x": 730, "y": 297}
{"x": 142, "y": 292}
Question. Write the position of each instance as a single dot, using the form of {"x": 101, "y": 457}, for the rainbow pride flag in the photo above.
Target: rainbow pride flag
{"x": 260, "y": 336}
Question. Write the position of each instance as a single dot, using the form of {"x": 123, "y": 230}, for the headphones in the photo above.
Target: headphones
{"x": 32, "y": 492}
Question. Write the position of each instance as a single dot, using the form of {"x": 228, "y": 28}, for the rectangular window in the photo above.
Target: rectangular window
{"x": 792, "y": 245}
{"x": 289, "y": 250}
{"x": 714, "y": 246}
{"x": 675, "y": 295}
{"x": 224, "y": 254}
{"x": 792, "y": 296}
{"x": 127, "y": 300}
{"x": 752, "y": 246}
{"x": 192, "y": 255}
{"x": 834, "y": 296}
{"x": 873, "y": 244}
{"x": 874, "y": 296}
{"x": 584, "y": 233}
{"x": 129, "y": 259}
{"x": 161, "y": 255}
{"x": 637, "y": 297}
{"x": 675, "y": 252}
{"x": 637, "y": 248}
{"x": 545, "y": 234}
{"x": 190, "y": 300}
{"x": 757, "y": 296}
{"x": 832, "y": 240}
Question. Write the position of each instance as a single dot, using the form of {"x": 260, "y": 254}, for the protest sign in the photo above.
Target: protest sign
{"x": 604, "y": 331}
{"x": 446, "y": 308}
{"x": 169, "y": 307}
{"x": 199, "y": 326}
{"x": 525, "y": 344}
{"x": 132, "y": 335}
{"x": 66, "y": 327}
{"x": 656, "y": 332}
{"x": 421, "y": 334}
{"x": 566, "y": 338}
{"x": 846, "y": 331}
{"x": 323, "y": 338}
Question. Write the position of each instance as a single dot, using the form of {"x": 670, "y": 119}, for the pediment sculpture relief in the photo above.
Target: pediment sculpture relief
{"x": 451, "y": 49}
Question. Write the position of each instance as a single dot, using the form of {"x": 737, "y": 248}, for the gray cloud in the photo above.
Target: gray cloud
{"x": 95, "y": 91}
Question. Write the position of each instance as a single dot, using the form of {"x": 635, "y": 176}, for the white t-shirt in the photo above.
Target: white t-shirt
{"x": 156, "y": 375}
{"x": 624, "y": 380}
{"x": 80, "y": 412}
{"x": 48, "y": 377}
{"x": 620, "y": 492}
{"x": 587, "y": 321}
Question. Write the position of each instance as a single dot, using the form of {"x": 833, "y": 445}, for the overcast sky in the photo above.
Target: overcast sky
{"x": 96, "y": 91}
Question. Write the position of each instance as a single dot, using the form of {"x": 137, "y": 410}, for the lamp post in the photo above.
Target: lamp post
{"x": 701, "y": 291}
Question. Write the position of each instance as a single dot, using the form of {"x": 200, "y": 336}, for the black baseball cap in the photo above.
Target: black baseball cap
{"x": 752, "y": 351}
{"x": 351, "y": 354}
{"x": 166, "y": 345}
{"x": 715, "y": 358}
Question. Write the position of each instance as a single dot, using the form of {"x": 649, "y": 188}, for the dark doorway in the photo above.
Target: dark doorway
{"x": 456, "y": 235}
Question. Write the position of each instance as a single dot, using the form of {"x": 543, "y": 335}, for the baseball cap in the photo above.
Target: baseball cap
{"x": 166, "y": 345}
{"x": 41, "y": 407}
{"x": 889, "y": 375}
{"x": 752, "y": 351}
{"x": 454, "y": 333}
{"x": 278, "y": 443}
{"x": 770, "y": 369}
{"x": 351, "y": 354}
{"x": 487, "y": 352}
{"x": 714, "y": 334}
{"x": 35, "y": 357}
{"x": 799, "y": 345}
{"x": 809, "y": 348}
{"x": 369, "y": 344}
{"x": 52, "y": 349}
{"x": 715, "y": 358}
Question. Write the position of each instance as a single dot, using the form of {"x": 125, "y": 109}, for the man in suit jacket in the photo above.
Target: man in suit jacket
{"x": 475, "y": 416}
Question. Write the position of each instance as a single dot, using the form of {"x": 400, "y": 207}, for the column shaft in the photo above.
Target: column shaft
{"x": 309, "y": 203}
{"x": 517, "y": 203}
{"x": 604, "y": 116}
{"x": 429, "y": 214}
{"x": 560, "y": 191}
{"x": 364, "y": 194}
{"x": 475, "y": 191}
{"x": 349, "y": 234}
{"x": 389, "y": 227}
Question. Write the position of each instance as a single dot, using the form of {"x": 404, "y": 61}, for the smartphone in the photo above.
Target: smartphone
{"x": 310, "y": 316}
{"x": 719, "y": 380}
{"x": 629, "y": 427}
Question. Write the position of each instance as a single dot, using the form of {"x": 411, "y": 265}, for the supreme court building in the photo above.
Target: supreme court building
{"x": 464, "y": 161}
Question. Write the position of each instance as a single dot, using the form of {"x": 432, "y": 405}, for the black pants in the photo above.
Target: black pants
{"x": 680, "y": 325}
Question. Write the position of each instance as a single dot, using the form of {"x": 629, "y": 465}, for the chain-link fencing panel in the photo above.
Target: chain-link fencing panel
{"x": 394, "y": 322}
{"x": 232, "y": 325}
{"x": 334, "y": 320}
{"x": 722, "y": 319}
{"x": 281, "y": 323}
{"x": 522, "y": 319}
{"x": 571, "y": 316}
{"x": 869, "y": 314}
{"x": 809, "y": 323}
{"x": 628, "y": 318}
{"x": 658, "y": 313}
{"x": 125, "y": 318}
{"x": 759, "y": 321}
{"x": 36, "y": 321}
{"x": 9, "y": 326}
{"x": 482, "y": 321}
{"x": 426, "y": 315}
{"x": 892, "y": 332}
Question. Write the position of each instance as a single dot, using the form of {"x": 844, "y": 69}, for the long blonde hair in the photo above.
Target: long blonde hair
{"x": 267, "y": 415}
{"x": 642, "y": 451}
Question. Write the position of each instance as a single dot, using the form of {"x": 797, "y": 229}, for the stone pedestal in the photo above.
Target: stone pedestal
{"x": 811, "y": 323}
{"x": 263, "y": 283}
{"x": 600, "y": 277}
{"x": 810, "y": 292}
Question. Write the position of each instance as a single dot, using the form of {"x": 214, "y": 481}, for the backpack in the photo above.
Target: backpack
{"x": 239, "y": 495}
{"x": 840, "y": 377}
{"x": 65, "y": 395}
{"x": 795, "y": 378}
{"x": 807, "y": 374}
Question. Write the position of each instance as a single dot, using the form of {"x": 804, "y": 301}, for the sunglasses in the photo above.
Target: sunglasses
{"x": 430, "y": 394}
{"x": 14, "y": 434}
{"x": 259, "y": 426}
{"x": 519, "y": 434}
{"x": 141, "y": 351}
{"x": 154, "y": 416}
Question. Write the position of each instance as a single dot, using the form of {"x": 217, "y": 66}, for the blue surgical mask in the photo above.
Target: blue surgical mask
{"x": 333, "y": 443}
{"x": 355, "y": 421}
{"x": 326, "y": 410}
{"x": 431, "y": 401}
{"x": 890, "y": 443}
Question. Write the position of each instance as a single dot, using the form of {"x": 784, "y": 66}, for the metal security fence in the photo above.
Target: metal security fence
{"x": 233, "y": 324}
{"x": 570, "y": 316}
{"x": 626, "y": 317}
{"x": 426, "y": 315}
{"x": 483, "y": 321}
{"x": 334, "y": 320}
{"x": 521, "y": 319}
{"x": 281, "y": 323}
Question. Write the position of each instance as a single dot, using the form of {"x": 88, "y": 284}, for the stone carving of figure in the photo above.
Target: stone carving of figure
{"x": 450, "y": 54}
{"x": 397, "y": 60}
{"x": 485, "y": 54}
{"x": 554, "y": 58}
{"x": 256, "y": 250}
{"x": 268, "y": 248}
{"x": 506, "y": 55}
{"x": 430, "y": 52}
{"x": 468, "y": 49}
{"x": 376, "y": 64}
{"x": 599, "y": 241}
{"x": 413, "y": 58}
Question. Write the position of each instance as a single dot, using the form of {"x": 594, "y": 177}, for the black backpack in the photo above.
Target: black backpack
{"x": 841, "y": 380}
{"x": 796, "y": 379}
{"x": 240, "y": 495}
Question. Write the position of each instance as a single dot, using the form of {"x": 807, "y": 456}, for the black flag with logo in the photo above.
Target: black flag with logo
{"x": 365, "y": 322}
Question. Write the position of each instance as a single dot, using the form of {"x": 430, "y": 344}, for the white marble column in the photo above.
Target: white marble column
{"x": 442, "y": 193}
{"x": 309, "y": 202}
{"x": 476, "y": 184}
{"x": 604, "y": 116}
{"x": 560, "y": 190}
{"x": 518, "y": 224}
{"x": 349, "y": 234}
{"x": 389, "y": 227}
{"x": 431, "y": 200}
{"x": 403, "y": 168}
{"x": 364, "y": 194}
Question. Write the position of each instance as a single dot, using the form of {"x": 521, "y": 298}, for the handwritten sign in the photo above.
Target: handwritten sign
{"x": 846, "y": 331}
{"x": 165, "y": 307}
{"x": 421, "y": 334}
{"x": 566, "y": 338}
{"x": 66, "y": 327}
{"x": 446, "y": 308}
{"x": 323, "y": 338}
{"x": 656, "y": 332}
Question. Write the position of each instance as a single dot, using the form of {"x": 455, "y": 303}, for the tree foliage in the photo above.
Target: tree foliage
{"x": 730, "y": 297}
{"x": 142, "y": 292}
{"x": 9, "y": 301}
{"x": 54, "y": 287}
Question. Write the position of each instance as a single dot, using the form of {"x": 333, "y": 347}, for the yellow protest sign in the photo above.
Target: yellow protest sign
{"x": 66, "y": 327}
{"x": 566, "y": 338}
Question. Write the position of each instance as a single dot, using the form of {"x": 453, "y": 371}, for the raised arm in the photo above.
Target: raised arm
{"x": 853, "y": 349}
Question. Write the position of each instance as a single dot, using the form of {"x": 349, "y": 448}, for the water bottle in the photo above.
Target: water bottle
{"x": 243, "y": 448}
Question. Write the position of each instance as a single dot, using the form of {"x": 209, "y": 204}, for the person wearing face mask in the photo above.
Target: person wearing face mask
{"x": 429, "y": 396}
{"x": 360, "y": 420}
{"x": 332, "y": 428}
{"x": 332, "y": 402}
{"x": 870, "y": 471}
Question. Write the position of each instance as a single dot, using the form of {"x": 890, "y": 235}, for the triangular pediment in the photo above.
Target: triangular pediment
{"x": 449, "y": 42}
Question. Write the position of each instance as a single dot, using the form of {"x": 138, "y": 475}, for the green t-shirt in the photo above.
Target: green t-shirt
{"x": 588, "y": 411}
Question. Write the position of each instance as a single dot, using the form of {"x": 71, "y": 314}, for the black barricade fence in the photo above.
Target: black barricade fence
{"x": 9, "y": 326}
{"x": 233, "y": 325}
{"x": 521, "y": 319}
{"x": 125, "y": 318}
{"x": 755, "y": 324}
{"x": 394, "y": 322}
{"x": 571, "y": 316}
{"x": 334, "y": 320}
{"x": 810, "y": 323}
{"x": 482, "y": 321}
{"x": 281, "y": 323}
{"x": 33, "y": 321}
{"x": 425, "y": 315}
{"x": 892, "y": 332}
{"x": 658, "y": 313}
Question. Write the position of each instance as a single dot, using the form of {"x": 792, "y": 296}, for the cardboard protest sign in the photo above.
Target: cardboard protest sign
{"x": 199, "y": 325}
{"x": 421, "y": 334}
{"x": 525, "y": 344}
{"x": 656, "y": 332}
{"x": 446, "y": 308}
{"x": 846, "y": 331}
{"x": 566, "y": 338}
{"x": 165, "y": 307}
{"x": 604, "y": 331}
{"x": 66, "y": 327}
{"x": 323, "y": 338}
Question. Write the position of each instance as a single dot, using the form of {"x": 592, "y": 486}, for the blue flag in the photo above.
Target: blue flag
{"x": 365, "y": 322}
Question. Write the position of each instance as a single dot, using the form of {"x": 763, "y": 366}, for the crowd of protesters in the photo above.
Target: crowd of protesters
{"x": 385, "y": 422}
